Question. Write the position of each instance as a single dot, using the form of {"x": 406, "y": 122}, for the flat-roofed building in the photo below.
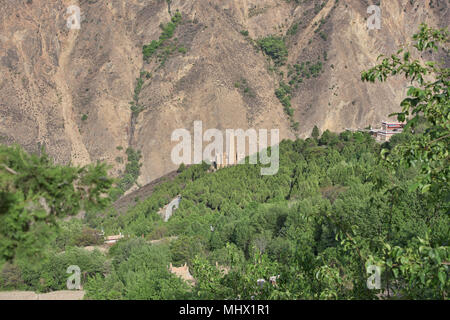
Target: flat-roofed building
{"x": 387, "y": 130}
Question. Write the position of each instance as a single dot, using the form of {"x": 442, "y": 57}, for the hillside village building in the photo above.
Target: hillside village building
{"x": 388, "y": 129}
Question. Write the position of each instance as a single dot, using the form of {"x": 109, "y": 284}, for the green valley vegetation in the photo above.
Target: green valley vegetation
{"x": 339, "y": 204}
{"x": 333, "y": 208}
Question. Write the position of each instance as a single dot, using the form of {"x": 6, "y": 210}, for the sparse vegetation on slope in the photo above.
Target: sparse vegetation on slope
{"x": 161, "y": 45}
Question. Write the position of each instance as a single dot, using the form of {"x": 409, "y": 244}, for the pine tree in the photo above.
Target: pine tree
{"x": 315, "y": 133}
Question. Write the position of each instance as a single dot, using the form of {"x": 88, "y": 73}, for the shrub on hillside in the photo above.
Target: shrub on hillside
{"x": 274, "y": 47}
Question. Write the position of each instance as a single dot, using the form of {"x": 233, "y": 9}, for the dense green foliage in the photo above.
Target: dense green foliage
{"x": 428, "y": 96}
{"x": 339, "y": 204}
{"x": 138, "y": 271}
{"x": 331, "y": 209}
{"x": 34, "y": 192}
{"x": 50, "y": 274}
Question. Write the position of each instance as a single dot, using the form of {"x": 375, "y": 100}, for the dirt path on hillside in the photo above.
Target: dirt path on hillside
{"x": 79, "y": 153}
{"x": 30, "y": 295}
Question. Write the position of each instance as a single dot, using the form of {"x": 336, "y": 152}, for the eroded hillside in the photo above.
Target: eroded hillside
{"x": 88, "y": 94}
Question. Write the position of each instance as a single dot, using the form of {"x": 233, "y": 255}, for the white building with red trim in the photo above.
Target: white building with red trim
{"x": 387, "y": 130}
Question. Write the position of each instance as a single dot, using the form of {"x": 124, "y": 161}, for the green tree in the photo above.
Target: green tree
{"x": 315, "y": 133}
{"x": 421, "y": 270}
{"x": 428, "y": 96}
{"x": 34, "y": 193}
{"x": 274, "y": 47}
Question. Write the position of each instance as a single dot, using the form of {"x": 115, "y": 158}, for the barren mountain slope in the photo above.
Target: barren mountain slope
{"x": 71, "y": 89}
